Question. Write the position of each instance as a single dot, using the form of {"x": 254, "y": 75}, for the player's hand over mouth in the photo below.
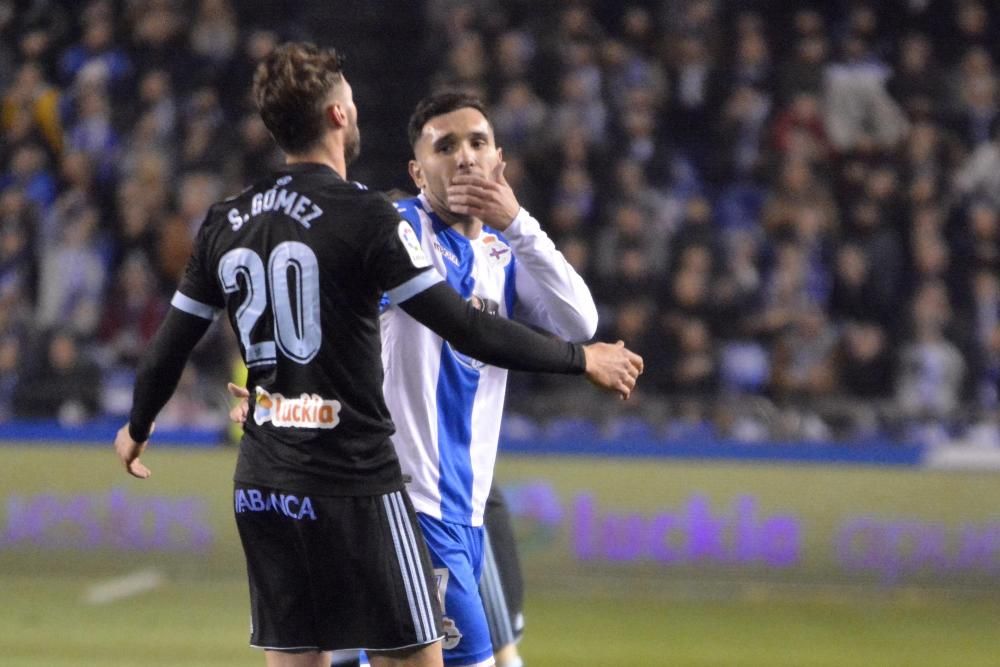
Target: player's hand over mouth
{"x": 490, "y": 199}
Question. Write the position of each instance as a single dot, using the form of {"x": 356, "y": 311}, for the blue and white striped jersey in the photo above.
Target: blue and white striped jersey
{"x": 445, "y": 405}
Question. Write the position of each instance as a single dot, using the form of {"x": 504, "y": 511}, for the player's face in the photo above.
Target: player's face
{"x": 458, "y": 142}
{"x": 352, "y": 139}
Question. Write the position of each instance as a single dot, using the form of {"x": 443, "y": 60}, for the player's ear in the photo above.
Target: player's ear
{"x": 417, "y": 174}
{"x": 336, "y": 114}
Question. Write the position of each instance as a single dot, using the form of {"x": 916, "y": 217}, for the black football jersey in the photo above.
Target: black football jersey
{"x": 299, "y": 262}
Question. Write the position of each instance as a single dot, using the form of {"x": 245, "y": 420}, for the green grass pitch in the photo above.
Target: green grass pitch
{"x": 575, "y": 617}
{"x": 44, "y": 622}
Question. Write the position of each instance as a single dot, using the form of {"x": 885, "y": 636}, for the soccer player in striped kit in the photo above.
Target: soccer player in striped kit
{"x": 446, "y": 405}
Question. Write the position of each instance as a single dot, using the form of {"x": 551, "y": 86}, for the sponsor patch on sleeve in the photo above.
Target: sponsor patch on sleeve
{"x": 412, "y": 245}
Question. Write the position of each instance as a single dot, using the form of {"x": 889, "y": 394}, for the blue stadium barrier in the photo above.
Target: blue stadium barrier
{"x": 565, "y": 438}
{"x": 100, "y": 432}
{"x": 868, "y": 453}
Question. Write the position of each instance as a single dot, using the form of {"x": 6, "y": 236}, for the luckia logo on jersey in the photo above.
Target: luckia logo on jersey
{"x": 306, "y": 411}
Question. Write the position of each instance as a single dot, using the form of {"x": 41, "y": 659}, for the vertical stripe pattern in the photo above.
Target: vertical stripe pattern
{"x": 423, "y": 592}
{"x": 456, "y": 395}
{"x": 458, "y": 383}
{"x": 510, "y": 282}
{"x": 494, "y": 600}
{"x": 411, "y": 570}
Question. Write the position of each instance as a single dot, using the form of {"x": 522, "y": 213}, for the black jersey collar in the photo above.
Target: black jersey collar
{"x": 309, "y": 167}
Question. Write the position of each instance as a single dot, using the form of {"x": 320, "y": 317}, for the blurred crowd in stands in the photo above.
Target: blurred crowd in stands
{"x": 790, "y": 209}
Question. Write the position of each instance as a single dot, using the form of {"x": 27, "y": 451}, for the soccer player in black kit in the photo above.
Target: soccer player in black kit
{"x": 298, "y": 263}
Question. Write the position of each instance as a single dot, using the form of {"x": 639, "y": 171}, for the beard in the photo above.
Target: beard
{"x": 352, "y": 144}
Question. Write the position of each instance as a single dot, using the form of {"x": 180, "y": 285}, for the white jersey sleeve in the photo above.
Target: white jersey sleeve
{"x": 550, "y": 293}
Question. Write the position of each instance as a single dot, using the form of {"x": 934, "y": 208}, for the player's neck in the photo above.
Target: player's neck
{"x": 329, "y": 152}
{"x": 467, "y": 226}
{"x": 470, "y": 228}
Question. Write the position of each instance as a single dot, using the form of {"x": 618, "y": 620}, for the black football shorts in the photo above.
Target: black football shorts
{"x": 335, "y": 572}
{"x": 501, "y": 586}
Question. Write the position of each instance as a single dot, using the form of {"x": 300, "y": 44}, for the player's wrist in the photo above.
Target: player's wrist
{"x": 138, "y": 433}
{"x": 585, "y": 353}
{"x": 521, "y": 223}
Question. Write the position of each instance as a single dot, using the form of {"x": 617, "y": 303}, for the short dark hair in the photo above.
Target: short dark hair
{"x": 291, "y": 87}
{"x": 438, "y": 104}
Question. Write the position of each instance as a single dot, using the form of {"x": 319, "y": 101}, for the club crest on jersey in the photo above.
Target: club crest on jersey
{"x": 497, "y": 251}
{"x": 466, "y": 360}
{"x": 306, "y": 411}
{"x": 412, "y": 245}
{"x": 452, "y": 635}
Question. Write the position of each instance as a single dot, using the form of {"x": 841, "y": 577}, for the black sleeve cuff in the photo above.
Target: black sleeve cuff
{"x": 138, "y": 433}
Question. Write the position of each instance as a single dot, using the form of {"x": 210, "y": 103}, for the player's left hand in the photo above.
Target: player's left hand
{"x": 129, "y": 450}
{"x": 613, "y": 367}
{"x": 238, "y": 415}
{"x": 490, "y": 199}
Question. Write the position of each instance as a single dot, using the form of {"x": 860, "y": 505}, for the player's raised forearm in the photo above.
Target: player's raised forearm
{"x": 550, "y": 293}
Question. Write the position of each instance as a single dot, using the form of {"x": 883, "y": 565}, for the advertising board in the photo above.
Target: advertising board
{"x": 579, "y": 521}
